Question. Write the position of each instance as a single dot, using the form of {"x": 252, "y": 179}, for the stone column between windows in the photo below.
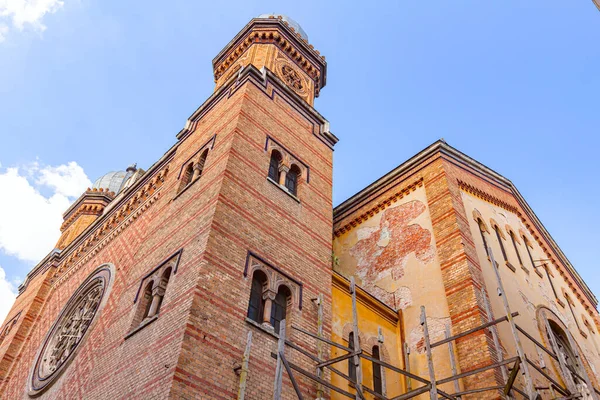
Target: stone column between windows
{"x": 268, "y": 297}
{"x": 283, "y": 171}
{"x": 157, "y": 294}
{"x": 197, "y": 172}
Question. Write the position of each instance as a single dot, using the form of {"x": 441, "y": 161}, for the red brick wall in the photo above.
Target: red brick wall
{"x": 190, "y": 351}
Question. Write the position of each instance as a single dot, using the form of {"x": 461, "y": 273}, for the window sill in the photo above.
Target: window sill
{"x": 141, "y": 326}
{"x": 283, "y": 189}
{"x": 583, "y": 334}
{"x": 560, "y": 303}
{"x": 525, "y": 269}
{"x": 510, "y": 266}
{"x": 186, "y": 188}
{"x": 268, "y": 330}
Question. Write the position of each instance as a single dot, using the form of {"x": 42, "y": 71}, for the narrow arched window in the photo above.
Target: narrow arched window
{"x": 201, "y": 162}
{"x": 186, "y": 176}
{"x": 482, "y": 232}
{"x": 291, "y": 179}
{"x": 279, "y": 307}
{"x": 351, "y": 366}
{"x": 377, "y": 381}
{"x": 514, "y": 242}
{"x": 256, "y": 304}
{"x": 274, "y": 165}
{"x": 499, "y": 236}
{"x": 164, "y": 281}
{"x": 145, "y": 302}
{"x": 528, "y": 251}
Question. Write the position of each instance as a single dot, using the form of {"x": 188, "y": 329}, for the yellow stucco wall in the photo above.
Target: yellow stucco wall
{"x": 393, "y": 256}
{"x": 373, "y": 316}
{"x": 526, "y": 292}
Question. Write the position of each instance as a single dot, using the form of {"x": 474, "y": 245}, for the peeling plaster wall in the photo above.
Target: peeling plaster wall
{"x": 526, "y": 291}
{"x": 371, "y": 318}
{"x": 393, "y": 256}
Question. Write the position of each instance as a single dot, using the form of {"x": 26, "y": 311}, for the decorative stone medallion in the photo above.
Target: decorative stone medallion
{"x": 291, "y": 77}
{"x": 70, "y": 329}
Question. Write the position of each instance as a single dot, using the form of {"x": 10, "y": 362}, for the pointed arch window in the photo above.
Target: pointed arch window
{"x": 377, "y": 380}
{"x": 501, "y": 242}
{"x": 201, "y": 161}
{"x": 274, "y": 173}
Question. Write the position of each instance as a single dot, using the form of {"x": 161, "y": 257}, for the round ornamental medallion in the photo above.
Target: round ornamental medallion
{"x": 70, "y": 329}
{"x": 291, "y": 77}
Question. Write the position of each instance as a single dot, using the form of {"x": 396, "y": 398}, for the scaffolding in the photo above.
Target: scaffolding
{"x": 577, "y": 384}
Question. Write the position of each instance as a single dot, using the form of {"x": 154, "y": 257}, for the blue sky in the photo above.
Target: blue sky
{"x": 102, "y": 84}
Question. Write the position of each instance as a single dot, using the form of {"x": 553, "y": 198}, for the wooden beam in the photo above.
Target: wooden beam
{"x": 291, "y": 375}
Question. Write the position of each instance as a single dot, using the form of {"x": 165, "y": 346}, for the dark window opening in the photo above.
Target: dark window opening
{"x": 377, "y": 381}
{"x": 256, "y": 304}
{"x": 186, "y": 177}
{"x": 499, "y": 236}
{"x": 351, "y": 366}
{"x": 278, "y": 309}
{"x": 201, "y": 162}
{"x": 528, "y": 252}
{"x": 146, "y": 301}
{"x": 274, "y": 165}
{"x": 291, "y": 179}
{"x": 482, "y": 232}
{"x": 514, "y": 242}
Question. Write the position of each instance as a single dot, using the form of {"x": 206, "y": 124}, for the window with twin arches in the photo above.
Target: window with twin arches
{"x": 285, "y": 170}
{"x": 273, "y": 294}
{"x": 151, "y": 293}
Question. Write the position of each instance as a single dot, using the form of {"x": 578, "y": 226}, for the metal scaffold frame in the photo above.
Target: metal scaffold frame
{"x": 509, "y": 367}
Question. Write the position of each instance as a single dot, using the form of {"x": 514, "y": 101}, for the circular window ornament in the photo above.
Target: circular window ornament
{"x": 70, "y": 329}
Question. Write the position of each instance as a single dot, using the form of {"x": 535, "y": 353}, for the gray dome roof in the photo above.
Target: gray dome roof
{"x": 291, "y": 22}
{"x": 113, "y": 181}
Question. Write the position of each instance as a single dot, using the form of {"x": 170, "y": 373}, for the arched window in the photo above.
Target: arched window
{"x": 528, "y": 251}
{"x": 351, "y": 366}
{"x": 164, "y": 281}
{"x": 279, "y": 307}
{"x": 291, "y": 179}
{"x": 514, "y": 242}
{"x": 256, "y": 305}
{"x": 377, "y": 382}
{"x": 274, "y": 165}
{"x": 482, "y": 232}
{"x": 146, "y": 301}
{"x": 201, "y": 161}
{"x": 186, "y": 177}
{"x": 500, "y": 240}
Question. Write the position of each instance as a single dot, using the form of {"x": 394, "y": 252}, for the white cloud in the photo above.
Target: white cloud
{"x": 20, "y": 13}
{"x": 7, "y": 295}
{"x": 30, "y": 221}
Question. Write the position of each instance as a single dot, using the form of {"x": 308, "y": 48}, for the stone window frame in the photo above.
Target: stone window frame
{"x": 275, "y": 279}
{"x": 155, "y": 280}
{"x": 288, "y": 162}
{"x": 483, "y": 229}
{"x": 543, "y": 314}
{"x": 516, "y": 242}
{"x": 501, "y": 238}
{"x": 191, "y": 169}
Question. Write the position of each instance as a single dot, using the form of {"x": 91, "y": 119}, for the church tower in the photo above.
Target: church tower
{"x": 155, "y": 286}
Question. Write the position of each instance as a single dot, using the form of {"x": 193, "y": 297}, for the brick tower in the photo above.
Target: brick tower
{"x": 229, "y": 232}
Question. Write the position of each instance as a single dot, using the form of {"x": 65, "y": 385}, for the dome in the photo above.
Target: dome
{"x": 291, "y": 22}
{"x": 113, "y": 181}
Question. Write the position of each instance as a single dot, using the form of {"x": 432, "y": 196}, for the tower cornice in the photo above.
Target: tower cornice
{"x": 273, "y": 31}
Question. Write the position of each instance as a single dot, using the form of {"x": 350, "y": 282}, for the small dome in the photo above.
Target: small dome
{"x": 113, "y": 181}
{"x": 291, "y": 22}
